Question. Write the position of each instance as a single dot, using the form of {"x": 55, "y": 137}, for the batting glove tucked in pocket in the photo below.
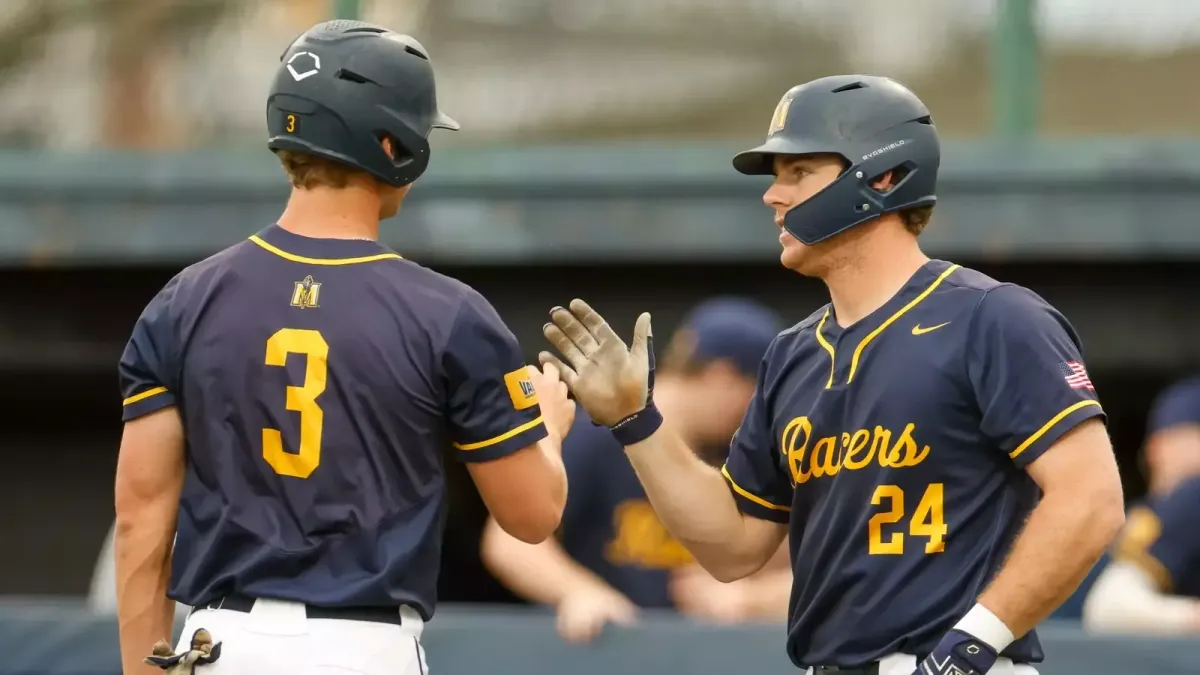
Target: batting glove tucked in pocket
{"x": 203, "y": 650}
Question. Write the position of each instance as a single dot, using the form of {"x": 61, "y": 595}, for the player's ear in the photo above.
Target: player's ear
{"x": 388, "y": 147}
{"x": 885, "y": 182}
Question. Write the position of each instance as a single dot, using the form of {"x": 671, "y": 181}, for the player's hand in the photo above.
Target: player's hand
{"x": 610, "y": 380}
{"x": 583, "y": 613}
{"x": 1194, "y": 622}
{"x": 698, "y": 595}
{"x": 958, "y": 653}
{"x": 558, "y": 411}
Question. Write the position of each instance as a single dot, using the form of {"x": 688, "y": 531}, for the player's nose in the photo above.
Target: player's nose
{"x": 775, "y": 199}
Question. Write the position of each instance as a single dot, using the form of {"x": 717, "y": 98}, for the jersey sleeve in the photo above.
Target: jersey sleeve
{"x": 759, "y": 485}
{"x": 1027, "y": 373}
{"x": 492, "y": 408}
{"x": 1162, "y": 539}
{"x": 149, "y": 366}
{"x": 1179, "y": 405}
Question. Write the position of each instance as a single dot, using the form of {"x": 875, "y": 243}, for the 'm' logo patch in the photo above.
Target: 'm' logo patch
{"x": 779, "y": 119}
{"x": 307, "y": 294}
{"x": 520, "y": 389}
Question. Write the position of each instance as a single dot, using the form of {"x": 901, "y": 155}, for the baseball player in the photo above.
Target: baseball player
{"x": 287, "y": 401}
{"x": 1152, "y": 584}
{"x": 613, "y": 557}
{"x": 931, "y": 437}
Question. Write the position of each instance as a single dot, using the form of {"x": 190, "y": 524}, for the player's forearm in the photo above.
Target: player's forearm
{"x": 1066, "y": 534}
{"x": 556, "y": 473}
{"x": 541, "y": 573}
{"x": 693, "y": 501}
{"x": 525, "y": 491}
{"x": 545, "y": 520}
{"x": 1125, "y": 599}
{"x": 143, "y": 568}
{"x": 768, "y": 594}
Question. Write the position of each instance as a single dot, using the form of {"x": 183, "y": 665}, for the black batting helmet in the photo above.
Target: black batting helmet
{"x": 344, "y": 86}
{"x": 876, "y": 125}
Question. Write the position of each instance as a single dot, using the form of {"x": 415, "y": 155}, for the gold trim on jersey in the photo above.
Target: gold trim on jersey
{"x": 322, "y": 261}
{"x": 144, "y": 395}
{"x": 748, "y": 495}
{"x": 1033, "y": 438}
{"x": 892, "y": 319}
{"x": 502, "y": 437}
{"x": 827, "y": 347}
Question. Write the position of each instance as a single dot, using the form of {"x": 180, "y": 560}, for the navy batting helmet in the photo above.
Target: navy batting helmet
{"x": 344, "y": 86}
{"x": 876, "y": 125}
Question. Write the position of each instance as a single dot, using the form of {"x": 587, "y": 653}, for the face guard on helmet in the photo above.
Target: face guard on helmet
{"x": 875, "y": 125}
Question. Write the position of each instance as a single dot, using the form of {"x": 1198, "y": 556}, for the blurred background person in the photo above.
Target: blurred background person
{"x": 1152, "y": 583}
{"x": 613, "y": 556}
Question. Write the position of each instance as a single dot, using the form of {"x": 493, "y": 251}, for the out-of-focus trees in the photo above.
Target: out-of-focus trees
{"x": 132, "y": 36}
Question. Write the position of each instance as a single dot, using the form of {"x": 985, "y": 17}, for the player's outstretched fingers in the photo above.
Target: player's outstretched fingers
{"x": 594, "y": 322}
{"x": 564, "y": 345}
{"x": 565, "y": 373}
{"x": 642, "y": 334}
{"x": 569, "y": 324}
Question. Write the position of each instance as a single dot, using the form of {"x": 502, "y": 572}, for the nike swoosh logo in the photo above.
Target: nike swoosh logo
{"x": 917, "y": 330}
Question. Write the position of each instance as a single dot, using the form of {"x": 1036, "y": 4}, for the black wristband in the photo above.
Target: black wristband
{"x": 638, "y": 426}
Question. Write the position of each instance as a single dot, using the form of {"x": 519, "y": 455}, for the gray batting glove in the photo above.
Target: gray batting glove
{"x": 611, "y": 381}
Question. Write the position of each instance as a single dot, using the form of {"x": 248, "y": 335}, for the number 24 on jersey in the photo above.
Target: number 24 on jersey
{"x": 927, "y": 521}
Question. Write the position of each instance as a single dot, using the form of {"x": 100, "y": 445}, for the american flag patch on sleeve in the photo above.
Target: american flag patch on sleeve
{"x": 1075, "y": 375}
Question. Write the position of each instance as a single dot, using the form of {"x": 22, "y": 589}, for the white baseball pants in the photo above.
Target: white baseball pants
{"x": 278, "y": 637}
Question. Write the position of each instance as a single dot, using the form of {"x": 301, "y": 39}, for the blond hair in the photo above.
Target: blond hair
{"x": 306, "y": 171}
{"x": 916, "y": 219}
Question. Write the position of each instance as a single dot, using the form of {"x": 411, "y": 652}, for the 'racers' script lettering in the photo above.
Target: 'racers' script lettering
{"x": 810, "y": 457}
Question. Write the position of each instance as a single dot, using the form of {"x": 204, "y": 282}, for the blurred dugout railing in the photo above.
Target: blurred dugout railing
{"x": 632, "y": 202}
{"x": 39, "y": 639}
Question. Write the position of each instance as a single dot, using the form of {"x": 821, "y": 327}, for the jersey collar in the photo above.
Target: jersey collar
{"x": 290, "y": 245}
{"x": 918, "y": 287}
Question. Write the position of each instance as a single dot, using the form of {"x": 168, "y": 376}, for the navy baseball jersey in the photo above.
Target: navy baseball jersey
{"x": 895, "y": 449}
{"x": 608, "y": 525}
{"x": 319, "y": 382}
{"x": 1162, "y": 538}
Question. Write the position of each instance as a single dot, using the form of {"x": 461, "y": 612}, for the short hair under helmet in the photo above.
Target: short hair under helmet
{"x": 876, "y": 125}
{"x": 344, "y": 86}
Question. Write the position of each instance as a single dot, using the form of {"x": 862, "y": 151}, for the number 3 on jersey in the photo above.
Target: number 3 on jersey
{"x": 927, "y": 521}
{"x": 302, "y": 399}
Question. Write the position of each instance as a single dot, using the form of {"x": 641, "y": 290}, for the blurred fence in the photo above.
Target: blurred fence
{"x": 39, "y": 639}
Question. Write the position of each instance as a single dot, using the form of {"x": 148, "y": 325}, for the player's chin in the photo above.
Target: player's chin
{"x": 796, "y": 256}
